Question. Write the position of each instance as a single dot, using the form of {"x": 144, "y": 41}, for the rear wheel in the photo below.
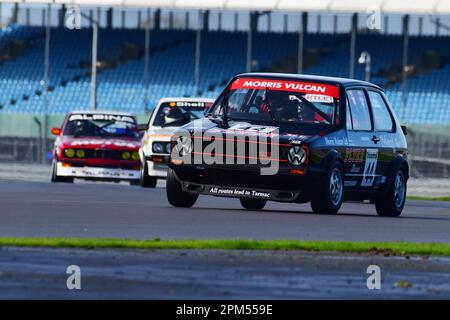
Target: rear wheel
{"x": 176, "y": 196}
{"x": 146, "y": 181}
{"x": 392, "y": 202}
{"x": 253, "y": 204}
{"x": 56, "y": 178}
{"x": 330, "y": 193}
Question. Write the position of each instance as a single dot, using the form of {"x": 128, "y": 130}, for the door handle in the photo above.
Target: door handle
{"x": 375, "y": 139}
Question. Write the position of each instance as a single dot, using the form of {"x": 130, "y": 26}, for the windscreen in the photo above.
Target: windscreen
{"x": 179, "y": 113}
{"x": 283, "y": 101}
{"x": 101, "y": 125}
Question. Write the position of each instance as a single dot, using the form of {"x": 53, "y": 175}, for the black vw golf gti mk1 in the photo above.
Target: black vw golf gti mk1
{"x": 293, "y": 138}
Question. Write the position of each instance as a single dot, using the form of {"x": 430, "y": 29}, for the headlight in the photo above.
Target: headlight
{"x": 168, "y": 148}
{"x": 135, "y": 156}
{"x": 126, "y": 155}
{"x": 80, "y": 153}
{"x": 297, "y": 155}
{"x": 70, "y": 153}
{"x": 158, "y": 147}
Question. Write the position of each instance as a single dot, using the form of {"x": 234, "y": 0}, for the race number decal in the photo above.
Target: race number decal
{"x": 370, "y": 168}
{"x": 253, "y": 128}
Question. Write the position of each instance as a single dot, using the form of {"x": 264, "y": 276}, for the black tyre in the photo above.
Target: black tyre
{"x": 392, "y": 202}
{"x": 175, "y": 194}
{"x": 328, "y": 197}
{"x": 56, "y": 178}
{"x": 253, "y": 204}
{"x": 146, "y": 181}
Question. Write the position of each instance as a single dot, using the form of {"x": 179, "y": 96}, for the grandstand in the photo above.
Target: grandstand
{"x": 121, "y": 57}
{"x": 227, "y": 28}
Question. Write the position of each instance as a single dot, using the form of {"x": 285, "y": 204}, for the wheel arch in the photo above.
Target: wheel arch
{"x": 333, "y": 155}
{"x": 397, "y": 163}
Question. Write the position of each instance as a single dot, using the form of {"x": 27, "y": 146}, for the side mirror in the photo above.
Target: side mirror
{"x": 142, "y": 127}
{"x": 404, "y": 129}
{"x": 56, "y": 131}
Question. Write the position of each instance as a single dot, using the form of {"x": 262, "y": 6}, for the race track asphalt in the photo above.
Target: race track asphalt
{"x": 30, "y": 273}
{"x": 40, "y": 209}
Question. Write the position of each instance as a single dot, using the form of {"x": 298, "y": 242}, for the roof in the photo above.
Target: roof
{"x": 346, "y": 82}
{"x": 117, "y": 113}
{"x": 434, "y": 7}
{"x": 184, "y": 99}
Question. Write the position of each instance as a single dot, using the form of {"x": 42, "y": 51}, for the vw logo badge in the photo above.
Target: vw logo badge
{"x": 296, "y": 155}
{"x": 184, "y": 145}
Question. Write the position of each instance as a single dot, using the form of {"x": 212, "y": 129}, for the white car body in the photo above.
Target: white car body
{"x": 162, "y": 135}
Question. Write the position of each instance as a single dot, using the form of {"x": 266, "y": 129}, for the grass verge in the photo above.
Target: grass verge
{"x": 429, "y": 198}
{"x": 384, "y": 248}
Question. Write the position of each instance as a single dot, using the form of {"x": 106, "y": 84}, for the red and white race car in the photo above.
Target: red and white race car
{"x": 97, "y": 146}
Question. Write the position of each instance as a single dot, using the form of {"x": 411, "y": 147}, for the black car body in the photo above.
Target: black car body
{"x": 337, "y": 139}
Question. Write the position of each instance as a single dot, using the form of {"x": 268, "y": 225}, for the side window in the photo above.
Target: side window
{"x": 359, "y": 109}
{"x": 381, "y": 115}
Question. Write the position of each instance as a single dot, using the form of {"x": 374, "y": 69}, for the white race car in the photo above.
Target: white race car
{"x": 169, "y": 114}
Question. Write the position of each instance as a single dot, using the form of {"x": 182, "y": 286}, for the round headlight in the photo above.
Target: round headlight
{"x": 158, "y": 147}
{"x": 168, "y": 148}
{"x": 80, "y": 153}
{"x": 126, "y": 155}
{"x": 297, "y": 155}
{"x": 70, "y": 153}
{"x": 135, "y": 156}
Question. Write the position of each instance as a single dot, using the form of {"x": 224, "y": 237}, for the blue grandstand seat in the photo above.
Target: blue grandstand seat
{"x": 223, "y": 55}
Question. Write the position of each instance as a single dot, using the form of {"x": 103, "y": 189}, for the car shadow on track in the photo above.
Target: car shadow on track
{"x": 343, "y": 214}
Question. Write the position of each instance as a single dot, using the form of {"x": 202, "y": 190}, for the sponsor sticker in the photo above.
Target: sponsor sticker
{"x": 100, "y": 117}
{"x": 238, "y": 192}
{"x": 321, "y": 98}
{"x": 316, "y": 89}
{"x": 190, "y": 104}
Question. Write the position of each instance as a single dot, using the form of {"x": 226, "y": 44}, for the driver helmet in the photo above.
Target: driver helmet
{"x": 172, "y": 114}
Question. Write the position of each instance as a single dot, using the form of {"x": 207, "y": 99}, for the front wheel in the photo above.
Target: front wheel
{"x": 393, "y": 201}
{"x": 253, "y": 204}
{"x": 176, "y": 196}
{"x": 330, "y": 193}
{"x": 146, "y": 181}
{"x": 56, "y": 177}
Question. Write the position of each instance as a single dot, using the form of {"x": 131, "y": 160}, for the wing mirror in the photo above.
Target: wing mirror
{"x": 404, "y": 129}
{"x": 56, "y": 131}
{"x": 142, "y": 127}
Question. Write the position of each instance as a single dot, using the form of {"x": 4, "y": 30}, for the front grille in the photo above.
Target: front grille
{"x": 103, "y": 154}
{"x": 245, "y": 151}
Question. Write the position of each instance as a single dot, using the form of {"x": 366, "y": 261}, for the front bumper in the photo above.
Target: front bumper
{"x": 97, "y": 172}
{"x": 240, "y": 182}
{"x": 157, "y": 169}
{"x": 241, "y": 192}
